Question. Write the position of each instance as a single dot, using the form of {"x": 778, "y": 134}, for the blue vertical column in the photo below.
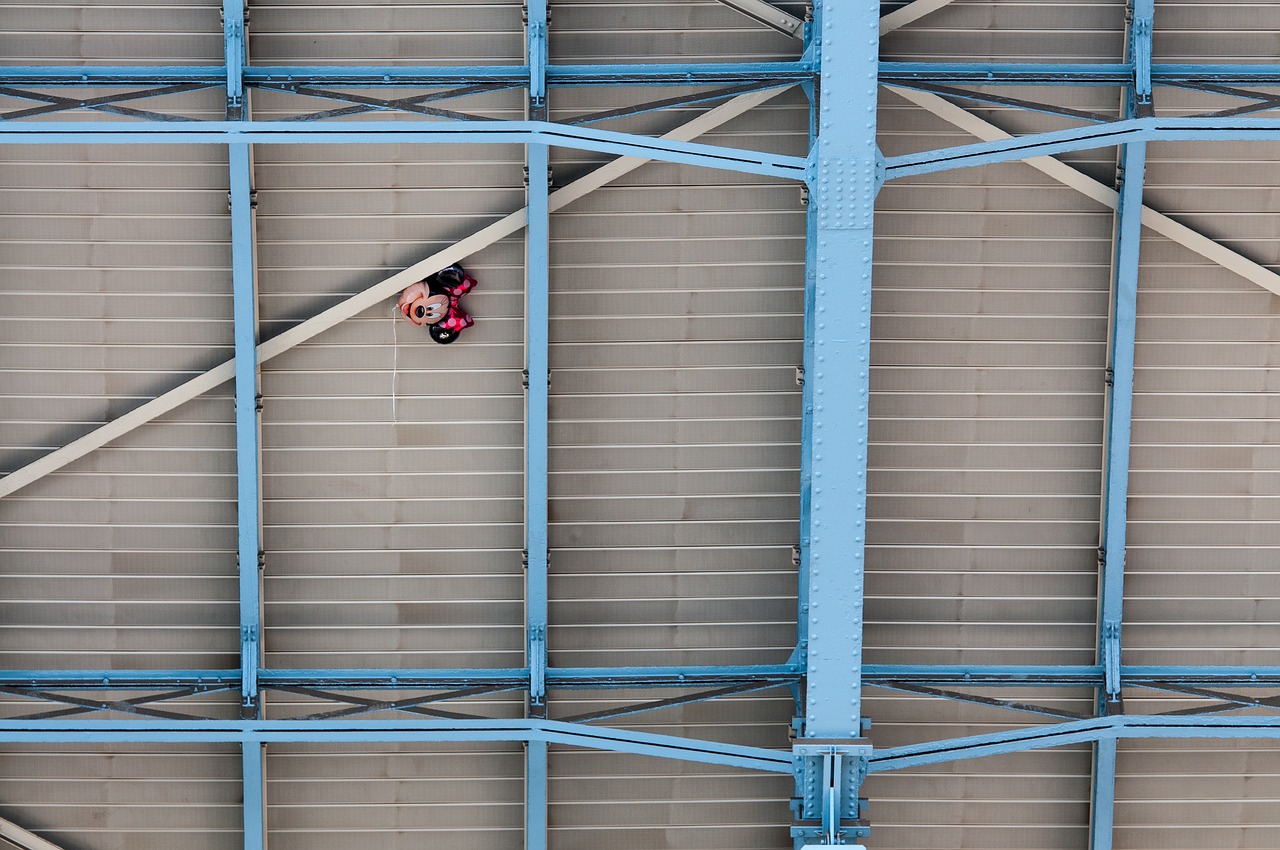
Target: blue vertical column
{"x": 253, "y": 781}
{"x": 1118, "y": 431}
{"x": 233, "y": 20}
{"x": 244, "y": 310}
{"x": 537, "y": 375}
{"x": 537, "y": 308}
{"x": 830, "y": 757}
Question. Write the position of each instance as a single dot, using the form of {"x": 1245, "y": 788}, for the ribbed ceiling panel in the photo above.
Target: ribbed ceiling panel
{"x": 125, "y": 796}
{"x": 1025, "y": 800}
{"x": 989, "y": 342}
{"x": 392, "y": 465}
{"x": 468, "y": 796}
{"x": 388, "y": 32}
{"x": 115, "y": 288}
{"x": 669, "y": 804}
{"x": 594, "y": 32}
{"x": 1192, "y": 794}
{"x": 84, "y": 32}
{"x": 674, "y": 439}
{"x": 1204, "y": 531}
{"x": 1003, "y": 31}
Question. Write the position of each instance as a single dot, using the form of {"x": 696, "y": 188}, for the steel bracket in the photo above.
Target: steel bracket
{"x": 537, "y": 665}
{"x": 1141, "y": 27}
{"x": 1110, "y": 651}
{"x": 826, "y": 809}
{"x": 249, "y": 654}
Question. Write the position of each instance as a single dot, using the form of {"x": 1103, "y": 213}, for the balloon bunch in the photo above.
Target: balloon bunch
{"x": 433, "y": 302}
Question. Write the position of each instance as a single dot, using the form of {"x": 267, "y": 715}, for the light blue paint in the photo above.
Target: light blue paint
{"x": 234, "y": 52}
{"x": 244, "y": 308}
{"x": 535, "y": 795}
{"x": 399, "y": 132}
{"x": 536, "y": 410}
{"x": 1119, "y": 422}
{"x": 254, "y": 805}
{"x": 1103, "y": 795}
{"x": 1084, "y": 138}
{"x": 1075, "y": 732}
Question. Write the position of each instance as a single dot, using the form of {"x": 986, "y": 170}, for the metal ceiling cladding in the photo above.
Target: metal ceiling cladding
{"x": 595, "y": 574}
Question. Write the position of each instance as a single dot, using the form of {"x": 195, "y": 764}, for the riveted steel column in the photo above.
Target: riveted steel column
{"x": 842, "y": 187}
{"x": 538, "y": 377}
{"x": 830, "y": 758}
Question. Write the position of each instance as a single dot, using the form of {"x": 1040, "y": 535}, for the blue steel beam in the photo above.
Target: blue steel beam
{"x": 842, "y": 187}
{"x": 639, "y": 743}
{"x": 1078, "y": 74}
{"x": 381, "y": 76}
{"x": 830, "y": 755}
{"x": 248, "y": 499}
{"x": 537, "y": 384}
{"x": 400, "y": 76}
{"x": 537, "y": 379}
{"x": 535, "y": 795}
{"x": 253, "y": 809}
{"x": 1120, "y": 365}
{"x": 603, "y": 678}
{"x": 1102, "y": 794}
{"x": 1206, "y": 129}
{"x": 1075, "y": 732}
{"x": 233, "y": 20}
{"x": 391, "y": 132}
{"x": 354, "y": 731}
{"x": 244, "y": 309}
{"x": 1119, "y": 421}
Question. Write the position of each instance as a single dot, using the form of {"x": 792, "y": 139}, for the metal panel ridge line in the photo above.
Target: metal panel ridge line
{"x": 830, "y": 758}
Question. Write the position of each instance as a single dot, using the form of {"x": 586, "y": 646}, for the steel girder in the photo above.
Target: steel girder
{"x": 842, "y": 169}
{"x": 1119, "y": 416}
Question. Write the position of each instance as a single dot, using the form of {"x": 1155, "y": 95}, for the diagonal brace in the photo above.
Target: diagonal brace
{"x": 683, "y": 699}
{"x": 103, "y": 103}
{"x": 370, "y": 297}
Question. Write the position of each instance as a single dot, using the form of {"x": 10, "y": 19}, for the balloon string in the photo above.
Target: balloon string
{"x": 395, "y": 360}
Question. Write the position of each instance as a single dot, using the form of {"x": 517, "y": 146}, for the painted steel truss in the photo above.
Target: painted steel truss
{"x": 843, "y": 171}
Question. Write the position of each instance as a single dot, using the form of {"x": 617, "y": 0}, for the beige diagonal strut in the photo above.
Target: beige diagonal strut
{"x": 321, "y": 322}
{"x": 1100, "y": 192}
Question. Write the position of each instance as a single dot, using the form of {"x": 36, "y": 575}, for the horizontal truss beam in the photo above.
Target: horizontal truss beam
{"x": 393, "y": 132}
{"x": 1076, "y": 732}
{"x": 605, "y": 678}
{"x": 624, "y": 741}
{"x": 1203, "y": 129}
{"x": 376, "y": 76}
{"x": 1088, "y": 74}
{"x": 374, "y": 732}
